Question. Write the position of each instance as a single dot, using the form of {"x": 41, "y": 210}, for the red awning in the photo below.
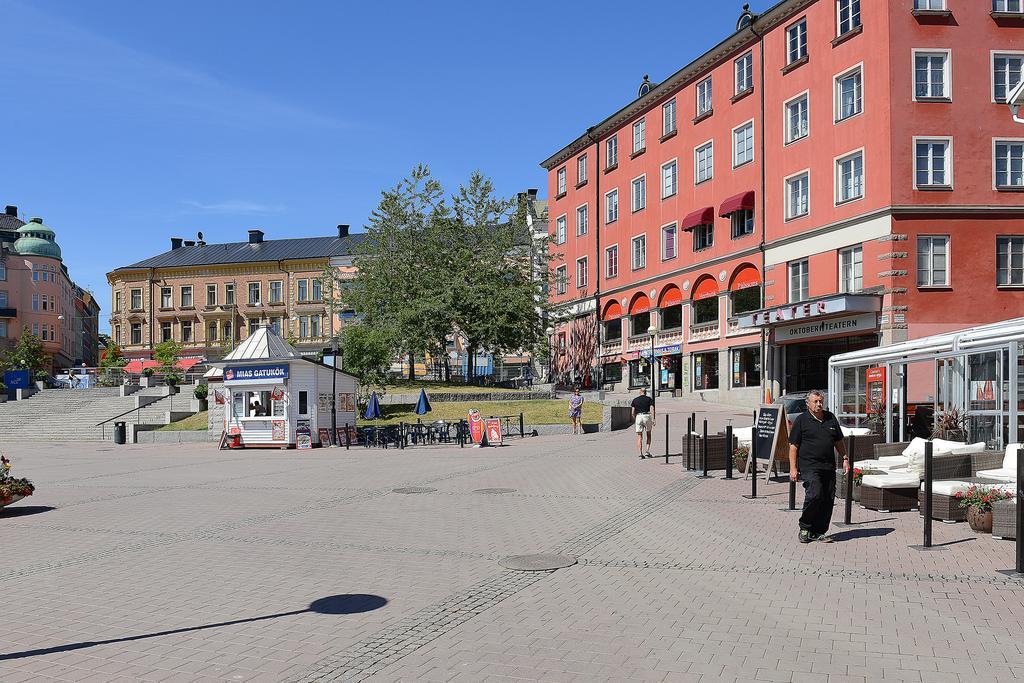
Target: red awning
{"x": 186, "y": 363}
{"x": 747, "y": 276}
{"x": 612, "y": 311}
{"x": 641, "y": 304}
{"x": 744, "y": 201}
{"x": 137, "y": 366}
{"x": 705, "y": 289}
{"x": 705, "y": 216}
{"x": 671, "y": 297}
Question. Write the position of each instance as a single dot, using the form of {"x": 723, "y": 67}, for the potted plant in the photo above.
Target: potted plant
{"x": 978, "y": 500}
{"x": 147, "y": 377}
{"x": 12, "y": 489}
{"x": 201, "y": 392}
{"x": 3, "y": 392}
{"x": 951, "y": 425}
{"x": 41, "y": 379}
{"x": 172, "y": 380}
{"x": 739, "y": 458}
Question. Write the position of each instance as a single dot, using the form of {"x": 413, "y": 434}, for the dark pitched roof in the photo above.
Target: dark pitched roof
{"x": 10, "y": 223}
{"x": 244, "y": 252}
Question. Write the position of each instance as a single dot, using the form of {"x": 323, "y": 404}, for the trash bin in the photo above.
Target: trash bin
{"x": 119, "y": 432}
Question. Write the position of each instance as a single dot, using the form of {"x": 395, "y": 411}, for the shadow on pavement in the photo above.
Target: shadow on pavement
{"x": 854, "y": 534}
{"x": 24, "y": 511}
{"x": 335, "y": 604}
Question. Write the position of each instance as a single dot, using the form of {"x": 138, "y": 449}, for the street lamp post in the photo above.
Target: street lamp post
{"x": 334, "y": 391}
{"x": 651, "y": 332}
{"x": 551, "y": 351}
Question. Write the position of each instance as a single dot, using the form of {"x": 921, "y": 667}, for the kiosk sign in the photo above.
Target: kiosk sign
{"x": 256, "y": 374}
{"x": 476, "y": 427}
{"x": 493, "y": 431}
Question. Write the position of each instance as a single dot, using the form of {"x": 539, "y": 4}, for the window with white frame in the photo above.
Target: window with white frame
{"x": 136, "y": 333}
{"x": 611, "y": 261}
{"x": 561, "y": 181}
{"x": 211, "y": 295}
{"x": 850, "y": 177}
{"x": 1010, "y": 261}
{"x": 669, "y": 179}
{"x": 743, "y": 144}
{"x": 581, "y": 170}
{"x": 611, "y": 152}
{"x": 3, "y": 271}
{"x": 847, "y": 16}
{"x": 669, "y": 247}
{"x": 302, "y": 289}
{"x": 931, "y": 75}
{"x": 560, "y": 230}
{"x": 1006, "y": 71}
{"x": 742, "y": 222}
{"x": 704, "y": 162}
{"x": 276, "y": 291}
{"x": 851, "y": 269}
{"x": 581, "y": 272}
{"x": 797, "y": 280}
{"x": 582, "y": 218}
{"x": 136, "y": 297}
{"x": 254, "y": 294}
{"x": 3, "y": 298}
{"x": 932, "y": 166}
{"x": 744, "y": 68}
{"x": 611, "y": 206}
{"x": 1009, "y": 163}
{"x": 639, "y": 250}
{"x": 930, "y": 4}
{"x": 1014, "y": 6}
{"x": 703, "y": 237}
{"x": 849, "y": 94}
{"x": 561, "y": 279}
{"x": 933, "y": 261}
{"x": 798, "y": 195}
{"x": 668, "y": 117}
{"x": 165, "y": 297}
{"x": 704, "y": 97}
{"x": 796, "y": 41}
{"x": 797, "y": 118}
{"x": 186, "y": 296}
{"x": 639, "y": 193}
{"x": 639, "y": 136}
{"x": 186, "y": 331}
{"x": 229, "y": 293}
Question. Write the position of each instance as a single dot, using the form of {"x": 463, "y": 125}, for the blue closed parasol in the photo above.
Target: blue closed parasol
{"x": 423, "y": 405}
{"x": 372, "y": 408}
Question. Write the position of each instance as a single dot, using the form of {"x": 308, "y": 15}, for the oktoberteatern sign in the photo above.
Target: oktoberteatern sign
{"x": 828, "y": 326}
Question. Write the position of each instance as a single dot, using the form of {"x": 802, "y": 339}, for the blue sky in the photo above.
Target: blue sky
{"x": 125, "y": 123}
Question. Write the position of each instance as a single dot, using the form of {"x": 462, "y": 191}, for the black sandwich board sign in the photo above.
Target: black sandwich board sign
{"x": 769, "y": 438}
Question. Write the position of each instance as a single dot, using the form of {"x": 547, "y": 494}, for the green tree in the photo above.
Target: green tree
{"x": 366, "y": 354}
{"x": 166, "y": 353}
{"x": 27, "y": 354}
{"x": 112, "y": 357}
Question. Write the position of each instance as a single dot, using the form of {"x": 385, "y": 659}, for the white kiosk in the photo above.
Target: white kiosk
{"x": 273, "y": 396}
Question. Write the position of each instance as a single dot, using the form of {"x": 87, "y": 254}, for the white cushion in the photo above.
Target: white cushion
{"x": 743, "y": 435}
{"x": 970, "y": 448}
{"x": 943, "y": 446}
{"x": 1010, "y": 457}
{"x": 948, "y": 488}
{"x": 893, "y": 480}
{"x": 915, "y": 447}
{"x": 856, "y": 431}
{"x": 888, "y": 463}
{"x": 1001, "y": 474}
{"x": 915, "y": 464}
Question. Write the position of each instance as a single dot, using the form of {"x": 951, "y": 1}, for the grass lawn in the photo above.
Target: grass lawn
{"x": 193, "y": 423}
{"x": 535, "y": 412}
{"x": 407, "y": 387}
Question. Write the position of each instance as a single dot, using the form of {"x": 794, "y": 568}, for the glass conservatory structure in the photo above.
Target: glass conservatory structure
{"x": 972, "y": 380}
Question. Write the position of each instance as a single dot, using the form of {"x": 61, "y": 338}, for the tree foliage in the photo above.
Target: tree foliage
{"x": 367, "y": 355}
{"x": 433, "y": 266}
{"x": 113, "y": 357}
{"x": 27, "y": 354}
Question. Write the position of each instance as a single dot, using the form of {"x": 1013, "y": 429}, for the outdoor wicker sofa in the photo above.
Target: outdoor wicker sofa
{"x": 1004, "y": 519}
{"x": 897, "y": 491}
{"x": 717, "y": 451}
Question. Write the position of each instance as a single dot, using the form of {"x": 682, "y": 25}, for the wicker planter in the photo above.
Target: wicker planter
{"x": 741, "y": 464}
{"x": 980, "y": 521}
{"x": 9, "y": 500}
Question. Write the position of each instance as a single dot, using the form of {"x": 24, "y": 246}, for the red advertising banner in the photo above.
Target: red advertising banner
{"x": 493, "y": 428}
{"x": 476, "y": 426}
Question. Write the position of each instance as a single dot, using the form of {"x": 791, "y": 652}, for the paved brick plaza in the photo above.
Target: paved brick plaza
{"x": 187, "y": 563}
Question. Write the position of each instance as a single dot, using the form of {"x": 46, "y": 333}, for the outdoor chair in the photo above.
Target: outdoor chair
{"x": 1004, "y": 519}
{"x": 864, "y": 448}
{"x": 1008, "y": 471}
{"x": 890, "y": 449}
{"x": 717, "y": 451}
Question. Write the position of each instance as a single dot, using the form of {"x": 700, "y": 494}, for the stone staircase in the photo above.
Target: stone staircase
{"x": 73, "y": 415}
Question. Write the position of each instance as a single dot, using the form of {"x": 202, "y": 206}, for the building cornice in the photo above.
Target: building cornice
{"x": 698, "y": 68}
{"x": 219, "y": 269}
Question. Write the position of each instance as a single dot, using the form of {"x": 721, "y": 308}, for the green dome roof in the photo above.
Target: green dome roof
{"x": 37, "y": 240}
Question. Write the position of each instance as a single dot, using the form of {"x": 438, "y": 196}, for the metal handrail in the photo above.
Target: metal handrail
{"x": 103, "y": 430}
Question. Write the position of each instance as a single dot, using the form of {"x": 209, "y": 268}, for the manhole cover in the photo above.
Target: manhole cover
{"x": 494, "y": 491}
{"x": 537, "y": 563}
{"x": 414, "y": 489}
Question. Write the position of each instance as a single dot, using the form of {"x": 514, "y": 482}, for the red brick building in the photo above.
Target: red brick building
{"x": 833, "y": 175}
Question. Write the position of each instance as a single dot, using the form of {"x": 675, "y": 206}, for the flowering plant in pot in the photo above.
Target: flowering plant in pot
{"x": 739, "y": 458}
{"x": 11, "y": 488}
{"x": 978, "y": 500}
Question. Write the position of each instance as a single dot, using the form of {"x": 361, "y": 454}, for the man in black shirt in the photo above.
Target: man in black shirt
{"x": 642, "y": 412}
{"x": 813, "y": 440}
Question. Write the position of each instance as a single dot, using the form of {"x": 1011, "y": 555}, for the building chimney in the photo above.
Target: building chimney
{"x": 189, "y": 243}
{"x": 176, "y": 243}
{"x": 343, "y": 230}
{"x": 532, "y": 193}
{"x": 11, "y": 210}
{"x": 255, "y": 237}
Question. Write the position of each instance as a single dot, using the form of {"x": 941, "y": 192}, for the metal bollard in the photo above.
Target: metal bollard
{"x": 522, "y": 429}
{"x": 347, "y": 437}
{"x": 686, "y": 437}
{"x": 927, "y": 503}
{"x": 693, "y": 441}
{"x": 1020, "y": 510}
{"x": 730, "y": 449}
{"x": 666, "y": 438}
{"x": 704, "y": 451}
{"x": 792, "y": 495}
{"x": 848, "y": 511}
